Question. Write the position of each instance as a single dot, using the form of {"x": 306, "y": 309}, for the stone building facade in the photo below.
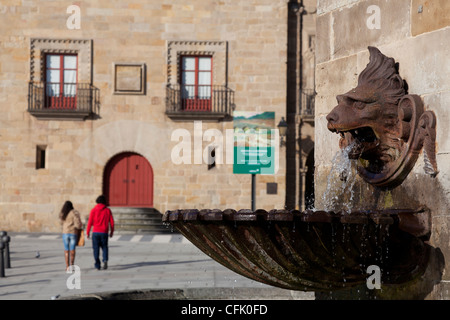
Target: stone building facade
{"x": 415, "y": 33}
{"x": 121, "y": 64}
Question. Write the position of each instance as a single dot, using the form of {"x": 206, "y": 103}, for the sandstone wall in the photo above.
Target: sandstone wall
{"x": 415, "y": 33}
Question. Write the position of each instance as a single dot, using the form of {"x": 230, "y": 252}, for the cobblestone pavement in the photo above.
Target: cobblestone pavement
{"x": 136, "y": 262}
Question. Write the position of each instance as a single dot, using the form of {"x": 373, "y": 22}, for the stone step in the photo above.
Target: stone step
{"x": 140, "y": 229}
{"x": 139, "y": 221}
{"x": 138, "y": 218}
{"x": 124, "y": 210}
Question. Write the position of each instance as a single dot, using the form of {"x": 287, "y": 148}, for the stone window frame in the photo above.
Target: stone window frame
{"x": 218, "y": 50}
{"x": 40, "y": 47}
{"x": 142, "y": 90}
{"x": 41, "y": 157}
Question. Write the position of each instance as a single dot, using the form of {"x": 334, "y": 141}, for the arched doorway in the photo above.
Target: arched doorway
{"x": 128, "y": 181}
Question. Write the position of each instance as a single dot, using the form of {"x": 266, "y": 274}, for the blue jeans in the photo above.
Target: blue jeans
{"x": 69, "y": 241}
{"x": 100, "y": 240}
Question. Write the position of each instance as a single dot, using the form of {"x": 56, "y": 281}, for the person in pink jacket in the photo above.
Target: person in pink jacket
{"x": 102, "y": 222}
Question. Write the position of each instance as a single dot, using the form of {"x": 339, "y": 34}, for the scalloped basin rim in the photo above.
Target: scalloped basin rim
{"x": 416, "y": 222}
{"x": 387, "y": 216}
{"x": 310, "y": 250}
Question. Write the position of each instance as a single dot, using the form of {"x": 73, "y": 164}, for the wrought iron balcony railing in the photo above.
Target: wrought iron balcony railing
{"x": 307, "y": 104}
{"x": 199, "y": 103}
{"x": 62, "y": 100}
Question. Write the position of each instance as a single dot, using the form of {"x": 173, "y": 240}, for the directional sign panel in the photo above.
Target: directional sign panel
{"x": 254, "y": 148}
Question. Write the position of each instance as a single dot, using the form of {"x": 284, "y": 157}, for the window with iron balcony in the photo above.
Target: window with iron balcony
{"x": 307, "y": 104}
{"x": 59, "y": 65}
{"x": 194, "y": 90}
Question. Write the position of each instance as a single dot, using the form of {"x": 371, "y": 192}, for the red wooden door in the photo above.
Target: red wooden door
{"x": 115, "y": 181}
{"x": 129, "y": 181}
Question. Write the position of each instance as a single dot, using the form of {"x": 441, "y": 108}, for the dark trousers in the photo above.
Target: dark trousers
{"x": 100, "y": 240}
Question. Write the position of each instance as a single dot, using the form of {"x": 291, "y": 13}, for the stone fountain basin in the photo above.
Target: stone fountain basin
{"x": 310, "y": 250}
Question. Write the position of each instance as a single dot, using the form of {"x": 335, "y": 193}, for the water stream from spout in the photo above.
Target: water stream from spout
{"x": 339, "y": 195}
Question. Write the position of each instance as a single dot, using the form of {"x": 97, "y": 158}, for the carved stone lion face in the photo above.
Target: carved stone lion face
{"x": 377, "y": 120}
{"x": 366, "y": 117}
{"x": 356, "y": 122}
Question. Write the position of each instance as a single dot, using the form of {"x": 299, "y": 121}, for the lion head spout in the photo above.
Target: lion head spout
{"x": 377, "y": 121}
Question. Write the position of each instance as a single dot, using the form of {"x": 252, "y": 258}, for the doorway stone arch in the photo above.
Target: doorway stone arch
{"x": 128, "y": 181}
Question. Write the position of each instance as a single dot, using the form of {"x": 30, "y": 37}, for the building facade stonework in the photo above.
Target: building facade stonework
{"x": 76, "y": 99}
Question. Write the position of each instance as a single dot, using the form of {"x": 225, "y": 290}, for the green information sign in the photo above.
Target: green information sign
{"x": 254, "y": 148}
{"x": 254, "y": 160}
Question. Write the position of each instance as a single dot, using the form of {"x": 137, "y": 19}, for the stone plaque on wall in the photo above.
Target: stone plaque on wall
{"x": 129, "y": 78}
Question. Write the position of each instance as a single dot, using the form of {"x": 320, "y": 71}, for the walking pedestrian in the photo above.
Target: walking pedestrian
{"x": 71, "y": 224}
{"x": 102, "y": 222}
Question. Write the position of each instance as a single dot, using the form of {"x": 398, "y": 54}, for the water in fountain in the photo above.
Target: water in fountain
{"x": 341, "y": 180}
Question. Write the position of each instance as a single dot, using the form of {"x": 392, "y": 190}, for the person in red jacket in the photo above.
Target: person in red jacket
{"x": 102, "y": 222}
